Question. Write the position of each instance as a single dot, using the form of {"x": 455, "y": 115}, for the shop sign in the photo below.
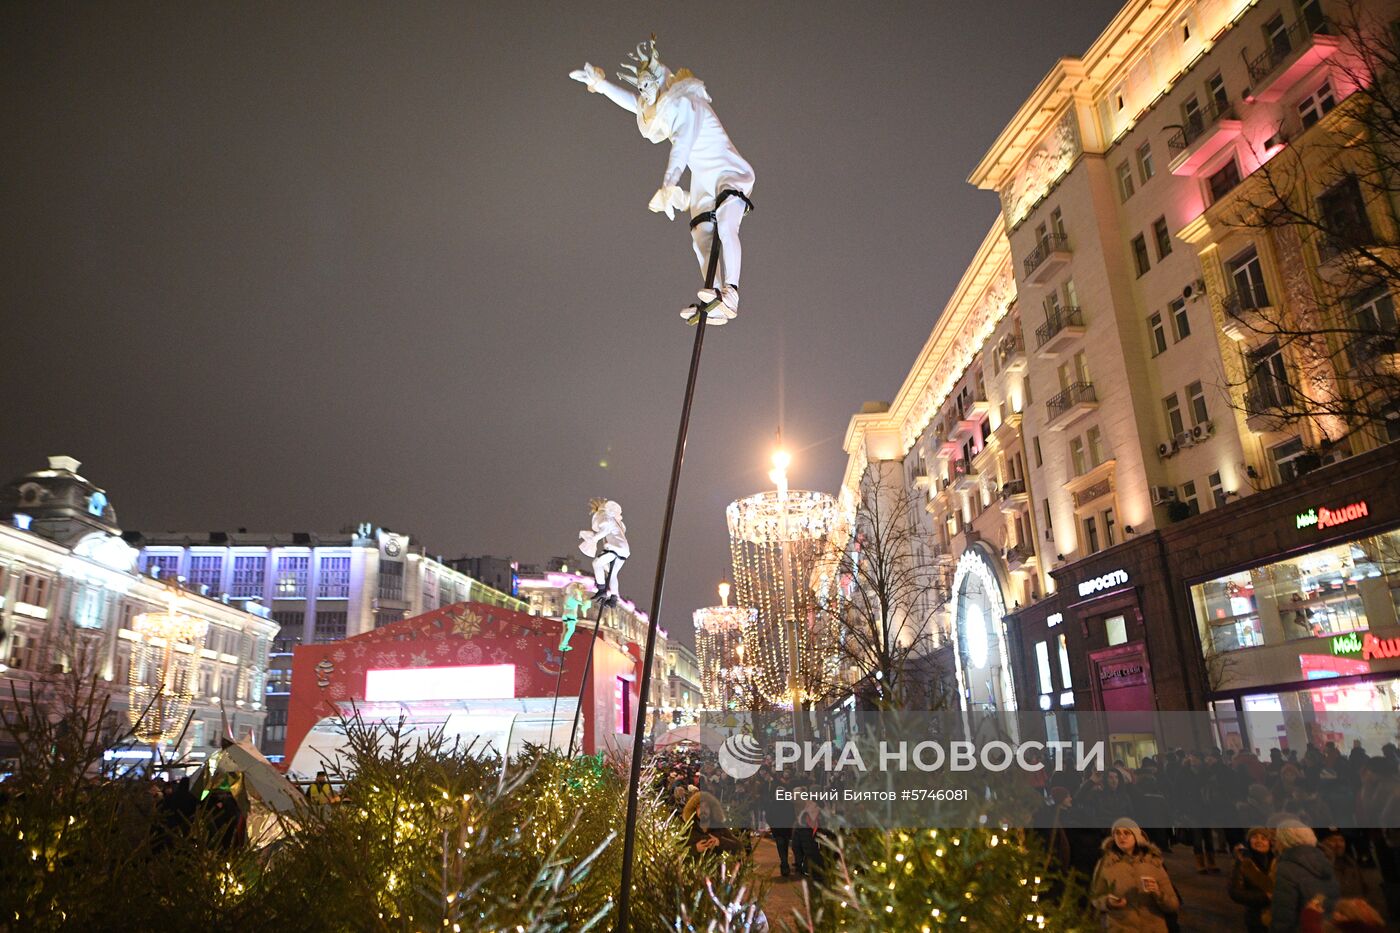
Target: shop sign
{"x": 1121, "y": 675}
{"x": 1368, "y": 646}
{"x": 1106, "y": 582}
{"x": 1330, "y": 518}
{"x": 1054, "y": 619}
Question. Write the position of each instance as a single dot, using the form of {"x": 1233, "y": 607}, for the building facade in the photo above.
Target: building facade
{"x": 1154, "y": 404}
{"x": 315, "y": 587}
{"x": 73, "y": 597}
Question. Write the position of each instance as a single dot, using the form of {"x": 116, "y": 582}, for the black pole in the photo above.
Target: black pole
{"x": 558, "y": 685}
{"x": 587, "y": 669}
{"x": 629, "y": 839}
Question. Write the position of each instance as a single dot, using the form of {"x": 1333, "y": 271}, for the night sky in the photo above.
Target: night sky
{"x": 295, "y": 266}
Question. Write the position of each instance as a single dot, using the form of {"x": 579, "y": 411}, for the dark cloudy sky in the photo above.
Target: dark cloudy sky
{"x": 293, "y": 266}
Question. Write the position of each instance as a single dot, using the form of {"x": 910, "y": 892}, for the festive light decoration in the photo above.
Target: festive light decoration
{"x": 719, "y": 633}
{"x": 164, "y": 665}
{"x": 780, "y": 546}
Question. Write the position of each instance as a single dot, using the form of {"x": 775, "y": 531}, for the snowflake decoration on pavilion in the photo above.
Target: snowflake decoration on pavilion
{"x": 780, "y": 543}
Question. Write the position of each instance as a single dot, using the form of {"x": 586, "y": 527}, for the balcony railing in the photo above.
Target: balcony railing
{"x": 1199, "y": 123}
{"x": 1266, "y": 395}
{"x": 1238, "y": 304}
{"x": 1015, "y": 487}
{"x": 1075, "y": 394}
{"x": 1050, "y": 243}
{"x": 1057, "y": 320}
{"x": 1282, "y": 46}
{"x": 1010, "y": 347}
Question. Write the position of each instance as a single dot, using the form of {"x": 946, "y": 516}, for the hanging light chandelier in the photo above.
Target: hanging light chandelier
{"x": 719, "y": 633}
{"x": 780, "y": 543}
{"x": 164, "y": 667}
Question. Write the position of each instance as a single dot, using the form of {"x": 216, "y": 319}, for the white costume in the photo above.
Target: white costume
{"x": 609, "y": 532}
{"x": 677, "y": 108}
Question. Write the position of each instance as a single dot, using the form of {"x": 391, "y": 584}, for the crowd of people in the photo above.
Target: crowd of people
{"x": 1267, "y": 826}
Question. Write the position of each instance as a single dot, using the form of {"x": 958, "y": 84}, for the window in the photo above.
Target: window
{"x": 1193, "y": 120}
{"x": 1140, "y": 260}
{"x": 330, "y": 626}
{"x": 291, "y": 575}
{"x": 1268, "y": 379}
{"x": 1025, "y": 392}
{"x": 1094, "y": 439}
{"x": 166, "y": 566}
{"x": 248, "y": 576}
{"x": 1248, "y": 277}
{"x": 1057, "y": 223}
{"x": 391, "y": 579}
{"x": 1181, "y": 321}
{"x": 1373, "y": 319}
{"x": 1163, "y": 238}
{"x": 207, "y": 570}
{"x": 1196, "y": 402}
{"x": 1115, "y": 628}
{"x": 1065, "y": 679}
{"x": 1285, "y": 457}
{"x": 1342, "y": 214}
{"x": 34, "y": 590}
{"x": 1172, "y": 406}
{"x": 387, "y": 617}
{"x": 1188, "y": 496}
{"x": 1217, "y": 490}
{"x": 1081, "y": 368}
{"x": 1157, "y": 334}
{"x": 1076, "y": 456}
{"x": 1049, "y": 522}
{"x": 88, "y": 603}
{"x": 1125, "y": 181}
{"x": 1317, "y": 104}
{"x": 1042, "y": 664}
{"x": 1223, "y": 181}
{"x": 1144, "y": 162}
{"x": 1277, "y": 32}
{"x": 1091, "y": 535}
{"x": 333, "y": 581}
{"x": 1039, "y": 460}
{"x": 1215, "y": 90}
{"x": 1110, "y": 527}
{"x": 291, "y": 628}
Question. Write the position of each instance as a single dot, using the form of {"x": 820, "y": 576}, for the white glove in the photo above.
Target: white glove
{"x": 669, "y": 198}
{"x": 591, "y": 75}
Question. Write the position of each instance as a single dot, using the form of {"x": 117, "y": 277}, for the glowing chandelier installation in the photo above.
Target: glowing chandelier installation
{"x": 719, "y": 633}
{"x": 780, "y": 545}
{"x": 164, "y": 664}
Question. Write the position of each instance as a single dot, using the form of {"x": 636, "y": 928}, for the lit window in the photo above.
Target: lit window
{"x": 1172, "y": 406}
{"x": 1125, "y": 181}
{"x": 1116, "y": 628}
{"x": 1140, "y": 259}
{"x": 1163, "y": 238}
{"x": 248, "y": 576}
{"x": 1065, "y": 677}
{"x": 1317, "y": 104}
{"x": 1076, "y": 456}
{"x": 1181, "y": 321}
{"x": 1042, "y": 663}
{"x": 291, "y": 575}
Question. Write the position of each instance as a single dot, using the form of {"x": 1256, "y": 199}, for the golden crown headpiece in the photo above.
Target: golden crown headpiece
{"x": 644, "y": 59}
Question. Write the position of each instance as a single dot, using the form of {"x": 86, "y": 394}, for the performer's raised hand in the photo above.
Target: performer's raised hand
{"x": 591, "y": 75}
{"x": 669, "y": 198}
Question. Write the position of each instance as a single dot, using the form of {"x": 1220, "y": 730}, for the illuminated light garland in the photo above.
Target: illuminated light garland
{"x": 780, "y": 544}
{"x": 164, "y": 665}
{"x": 719, "y": 634}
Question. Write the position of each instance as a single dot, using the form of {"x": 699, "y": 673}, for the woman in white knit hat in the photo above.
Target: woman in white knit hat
{"x": 1131, "y": 889}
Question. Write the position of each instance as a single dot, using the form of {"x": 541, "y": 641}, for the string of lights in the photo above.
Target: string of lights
{"x": 164, "y": 667}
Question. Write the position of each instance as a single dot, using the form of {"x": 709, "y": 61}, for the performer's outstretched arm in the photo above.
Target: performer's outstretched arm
{"x": 592, "y": 76}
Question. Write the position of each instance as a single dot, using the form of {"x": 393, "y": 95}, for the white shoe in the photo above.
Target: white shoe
{"x": 690, "y": 312}
{"x": 728, "y": 296}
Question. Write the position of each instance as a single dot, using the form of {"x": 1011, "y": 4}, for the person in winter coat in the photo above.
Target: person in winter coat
{"x": 1302, "y": 873}
{"x": 1131, "y": 890}
{"x": 1251, "y": 881}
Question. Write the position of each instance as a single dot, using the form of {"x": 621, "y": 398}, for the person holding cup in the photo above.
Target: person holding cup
{"x": 1131, "y": 890}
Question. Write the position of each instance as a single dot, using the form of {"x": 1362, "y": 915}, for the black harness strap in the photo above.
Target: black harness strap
{"x": 709, "y": 216}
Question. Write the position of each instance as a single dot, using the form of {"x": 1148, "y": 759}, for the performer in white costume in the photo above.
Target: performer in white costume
{"x": 676, "y": 107}
{"x": 609, "y": 532}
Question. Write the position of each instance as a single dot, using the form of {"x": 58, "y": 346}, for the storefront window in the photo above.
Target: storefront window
{"x": 1328, "y": 714}
{"x": 1351, "y": 587}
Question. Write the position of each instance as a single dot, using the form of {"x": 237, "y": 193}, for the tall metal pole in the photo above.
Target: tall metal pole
{"x": 587, "y": 669}
{"x": 629, "y": 838}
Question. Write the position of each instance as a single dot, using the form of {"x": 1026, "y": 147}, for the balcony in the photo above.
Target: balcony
{"x": 1291, "y": 56}
{"x": 1204, "y": 134}
{"x": 1011, "y": 354}
{"x": 964, "y": 476}
{"x": 1247, "y": 315}
{"x": 1076, "y": 401}
{"x": 1018, "y": 557}
{"x": 1373, "y": 355}
{"x": 1061, "y": 327}
{"x": 1013, "y": 495}
{"x": 1265, "y": 402}
{"x": 921, "y": 479}
{"x": 1050, "y": 255}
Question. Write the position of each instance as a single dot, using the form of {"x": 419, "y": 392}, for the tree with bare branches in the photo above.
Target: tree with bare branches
{"x": 888, "y": 593}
